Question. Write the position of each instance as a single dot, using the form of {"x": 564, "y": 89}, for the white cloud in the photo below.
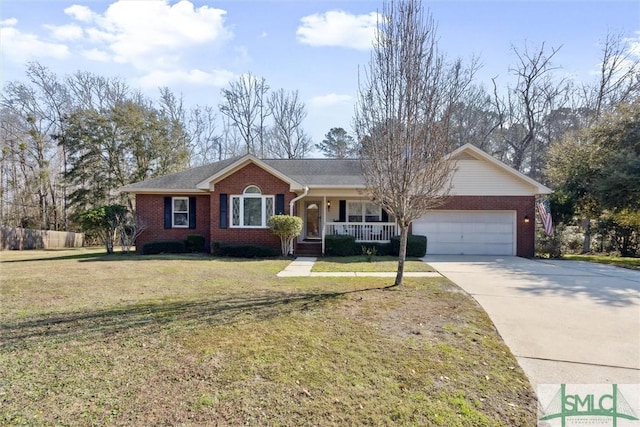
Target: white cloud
{"x": 81, "y": 13}
{"x": 338, "y": 28}
{"x": 215, "y": 78}
{"x": 97, "y": 36}
{"x": 20, "y": 47}
{"x": 137, "y": 31}
{"x": 65, "y": 32}
{"x": 10, "y": 22}
{"x": 330, "y": 100}
{"x": 96, "y": 55}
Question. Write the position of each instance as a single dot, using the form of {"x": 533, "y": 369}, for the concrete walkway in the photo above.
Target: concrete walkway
{"x": 566, "y": 322}
{"x": 301, "y": 267}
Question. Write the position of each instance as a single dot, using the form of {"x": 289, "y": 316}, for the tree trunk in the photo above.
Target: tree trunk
{"x": 404, "y": 231}
{"x": 109, "y": 238}
{"x": 586, "y": 225}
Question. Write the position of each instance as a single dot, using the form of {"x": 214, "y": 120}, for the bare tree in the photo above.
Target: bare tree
{"x": 287, "y": 138}
{"x": 173, "y": 111}
{"x": 94, "y": 92}
{"x": 245, "y": 106}
{"x": 618, "y": 80}
{"x": 526, "y": 105}
{"x": 37, "y": 109}
{"x": 403, "y": 117}
{"x": 475, "y": 121}
{"x": 131, "y": 226}
{"x": 206, "y": 144}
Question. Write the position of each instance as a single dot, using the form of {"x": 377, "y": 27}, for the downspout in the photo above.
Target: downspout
{"x": 292, "y": 202}
{"x": 295, "y": 199}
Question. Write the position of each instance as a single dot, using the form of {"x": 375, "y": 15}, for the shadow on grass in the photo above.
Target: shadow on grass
{"x": 78, "y": 256}
{"x": 152, "y": 317}
{"x": 121, "y": 256}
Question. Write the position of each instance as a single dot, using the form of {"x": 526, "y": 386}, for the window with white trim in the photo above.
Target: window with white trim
{"x": 180, "y": 212}
{"x": 363, "y": 211}
{"x": 251, "y": 209}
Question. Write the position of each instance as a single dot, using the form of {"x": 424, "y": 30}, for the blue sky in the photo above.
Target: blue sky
{"x": 195, "y": 47}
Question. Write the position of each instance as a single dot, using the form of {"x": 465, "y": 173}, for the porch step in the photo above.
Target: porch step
{"x": 308, "y": 249}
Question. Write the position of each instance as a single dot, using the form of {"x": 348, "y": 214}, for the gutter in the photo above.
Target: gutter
{"x": 292, "y": 202}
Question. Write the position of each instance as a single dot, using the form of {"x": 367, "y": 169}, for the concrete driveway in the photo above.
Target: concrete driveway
{"x": 566, "y": 322}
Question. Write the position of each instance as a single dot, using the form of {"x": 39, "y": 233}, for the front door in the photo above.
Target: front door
{"x": 312, "y": 222}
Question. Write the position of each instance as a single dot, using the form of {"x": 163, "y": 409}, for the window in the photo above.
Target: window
{"x": 180, "y": 213}
{"x": 372, "y": 212}
{"x": 360, "y": 211}
{"x": 251, "y": 209}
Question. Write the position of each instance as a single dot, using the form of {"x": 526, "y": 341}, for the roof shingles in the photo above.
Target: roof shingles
{"x": 308, "y": 172}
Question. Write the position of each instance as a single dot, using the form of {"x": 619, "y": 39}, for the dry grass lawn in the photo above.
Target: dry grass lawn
{"x": 89, "y": 339}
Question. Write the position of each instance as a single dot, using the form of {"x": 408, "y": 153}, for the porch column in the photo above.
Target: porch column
{"x": 324, "y": 219}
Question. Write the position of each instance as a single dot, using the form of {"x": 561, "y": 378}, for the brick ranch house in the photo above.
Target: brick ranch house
{"x": 491, "y": 210}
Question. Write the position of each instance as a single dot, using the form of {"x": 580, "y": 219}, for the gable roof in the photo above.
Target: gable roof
{"x": 179, "y": 182}
{"x": 298, "y": 173}
{"x": 476, "y": 153}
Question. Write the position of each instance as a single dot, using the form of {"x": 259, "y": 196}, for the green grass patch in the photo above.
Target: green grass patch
{"x": 633, "y": 263}
{"x": 186, "y": 340}
{"x": 361, "y": 264}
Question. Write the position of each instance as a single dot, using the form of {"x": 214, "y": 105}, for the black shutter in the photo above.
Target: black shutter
{"x": 385, "y": 216}
{"x": 279, "y": 204}
{"x": 224, "y": 217}
{"x": 167, "y": 212}
{"x": 342, "y": 216}
{"x": 192, "y": 212}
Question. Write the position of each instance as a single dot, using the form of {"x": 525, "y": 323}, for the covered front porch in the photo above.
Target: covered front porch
{"x": 347, "y": 214}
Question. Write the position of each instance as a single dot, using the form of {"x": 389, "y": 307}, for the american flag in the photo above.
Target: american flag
{"x": 545, "y": 216}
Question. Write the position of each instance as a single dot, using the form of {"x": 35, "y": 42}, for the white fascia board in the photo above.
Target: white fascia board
{"x": 161, "y": 191}
{"x": 333, "y": 187}
{"x": 476, "y": 152}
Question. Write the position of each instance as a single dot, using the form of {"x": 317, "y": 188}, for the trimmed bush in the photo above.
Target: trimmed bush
{"x": 287, "y": 228}
{"x": 416, "y": 245}
{"x": 164, "y": 247}
{"x": 341, "y": 245}
{"x": 215, "y": 248}
{"x": 245, "y": 251}
{"x": 195, "y": 243}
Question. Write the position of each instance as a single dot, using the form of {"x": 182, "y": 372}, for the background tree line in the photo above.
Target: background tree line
{"x": 69, "y": 142}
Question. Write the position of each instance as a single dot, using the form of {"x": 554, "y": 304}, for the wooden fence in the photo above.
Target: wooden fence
{"x": 24, "y": 238}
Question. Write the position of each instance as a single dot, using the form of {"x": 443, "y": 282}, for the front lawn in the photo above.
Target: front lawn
{"x": 89, "y": 339}
{"x": 360, "y": 264}
{"x": 633, "y": 263}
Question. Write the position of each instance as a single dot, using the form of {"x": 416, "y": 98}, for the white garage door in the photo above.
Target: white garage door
{"x": 468, "y": 232}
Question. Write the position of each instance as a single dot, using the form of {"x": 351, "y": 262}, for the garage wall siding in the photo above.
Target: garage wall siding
{"x": 479, "y": 178}
{"x": 523, "y": 205}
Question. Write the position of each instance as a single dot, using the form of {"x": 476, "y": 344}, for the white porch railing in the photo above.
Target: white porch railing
{"x": 363, "y": 231}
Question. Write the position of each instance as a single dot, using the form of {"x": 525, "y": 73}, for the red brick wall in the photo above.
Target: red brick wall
{"x": 150, "y": 210}
{"x": 235, "y": 185}
{"x": 523, "y": 205}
